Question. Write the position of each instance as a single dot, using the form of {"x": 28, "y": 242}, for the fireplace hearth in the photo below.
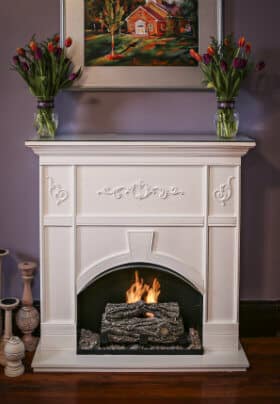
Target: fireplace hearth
{"x": 116, "y": 209}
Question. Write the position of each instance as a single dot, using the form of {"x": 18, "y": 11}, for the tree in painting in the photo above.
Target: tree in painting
{"x": 112, "y": 15}
{"x": 140, "y": 32}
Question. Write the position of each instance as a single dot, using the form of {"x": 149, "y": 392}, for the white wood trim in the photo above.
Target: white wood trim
{"x": 237, "y": 242}
{"x": 64, "y": 360}
{"x": 91, "y": 273}
{"x": 186, "y": 149}
{"x": 42, "y": 244}
{"x": 219, "y": 336}
{"x": 74, "y": 247}
{"x": 206, "y": 240}
{"x": 58, "y": 220}
{"x": 223, "y": 221}
{"x": 155, "y": 220}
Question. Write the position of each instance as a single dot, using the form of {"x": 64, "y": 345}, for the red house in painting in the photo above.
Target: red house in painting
{"x": 148, "y": 20}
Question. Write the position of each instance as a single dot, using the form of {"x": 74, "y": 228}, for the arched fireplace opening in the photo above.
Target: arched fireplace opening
{"x": 139, "y": 308}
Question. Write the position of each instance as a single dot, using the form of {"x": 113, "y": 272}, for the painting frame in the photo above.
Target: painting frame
{"x": 143, "y": 78}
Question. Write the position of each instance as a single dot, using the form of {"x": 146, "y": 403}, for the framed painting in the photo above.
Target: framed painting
{"x": 139, "y": 44}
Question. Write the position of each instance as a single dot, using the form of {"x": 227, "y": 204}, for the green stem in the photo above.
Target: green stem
{"x": 45, "y": 123}
{"x": 226, "y": 123}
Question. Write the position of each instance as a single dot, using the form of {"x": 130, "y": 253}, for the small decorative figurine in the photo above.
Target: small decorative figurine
{"x": 8, "y": 305}
{"x": 27, "y": 317}
{"x": 14, "y": 353}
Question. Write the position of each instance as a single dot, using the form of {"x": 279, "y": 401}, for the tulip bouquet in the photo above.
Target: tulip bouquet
{"x": 224, "y": 67}
{"x": 46, "y": 69}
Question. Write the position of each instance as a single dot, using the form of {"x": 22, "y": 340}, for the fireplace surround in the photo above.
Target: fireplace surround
{"x": 112, "y": 203}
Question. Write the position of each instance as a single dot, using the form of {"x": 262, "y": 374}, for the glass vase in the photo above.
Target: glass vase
{"x": 45, "y": 119}
{"x": 226, "y": 119}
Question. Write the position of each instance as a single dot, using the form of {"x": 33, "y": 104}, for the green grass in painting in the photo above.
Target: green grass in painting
{"x": 136, "y": 51}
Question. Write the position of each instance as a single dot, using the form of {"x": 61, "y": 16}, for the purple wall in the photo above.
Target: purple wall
{"x": 258, "y": 103}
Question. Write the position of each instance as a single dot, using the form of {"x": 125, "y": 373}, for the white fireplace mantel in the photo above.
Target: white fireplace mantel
{"x": 172, "y": 200}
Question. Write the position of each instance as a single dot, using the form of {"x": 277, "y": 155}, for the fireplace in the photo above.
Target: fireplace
{"x": 139, "y": 308}
{"x": 116, "y": 209}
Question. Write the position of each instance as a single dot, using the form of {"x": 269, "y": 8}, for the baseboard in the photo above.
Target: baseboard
{"x": 257, "y": 318}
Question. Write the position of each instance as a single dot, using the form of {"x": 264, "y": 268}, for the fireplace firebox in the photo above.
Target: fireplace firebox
{"x": 139, "y": 247}
{"x": 139, "y": 308}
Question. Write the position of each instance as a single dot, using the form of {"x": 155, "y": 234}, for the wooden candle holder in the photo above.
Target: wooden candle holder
{"x": 8, "y": 305}
{"x": 27, "y": 317}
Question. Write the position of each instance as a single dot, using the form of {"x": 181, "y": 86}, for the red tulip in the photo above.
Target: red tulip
{"x": 33, "y": 46}
{"x": 68, "y": 42}
{"x": 56, "y": 38}
{"x": 73, "y": 76}
{"x": 239, "y": 63}
{"x": 248, "y": 48}
{"x": 16, "y": 60}
{"x": 21, "y": 52}
{"x": 210, "y": 51}
{"x": 195, "y": 55}
{"x": 241, "y": 42}
{"x": 25, "y": 67}
{"x": 207, "y": 59}
{"x": 58, "y": 52}
{"x": 224, "y": 66}
{"x": 38, "y": 54}
{"x": 51, "y": 47}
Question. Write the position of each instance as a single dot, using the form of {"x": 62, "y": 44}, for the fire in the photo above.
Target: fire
{"x": 141, "y": 291}
{"x": 153, "y": 292}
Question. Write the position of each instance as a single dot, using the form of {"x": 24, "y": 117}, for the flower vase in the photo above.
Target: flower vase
{"x": 226, "y": 119}
{"x": 45, "y": 119}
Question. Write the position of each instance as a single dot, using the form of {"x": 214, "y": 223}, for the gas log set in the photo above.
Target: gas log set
{"x": 141, "y": 325}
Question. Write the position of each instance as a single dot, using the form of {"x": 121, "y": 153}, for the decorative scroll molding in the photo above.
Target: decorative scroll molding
{"x": 56, "y": 191}
{"x": 141, "y": 190}
{"x": 224, "y": 192}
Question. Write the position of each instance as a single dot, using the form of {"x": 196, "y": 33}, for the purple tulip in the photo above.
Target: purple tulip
{"x": 16, "y": 60}
{"x": 58, "y": 52}
{"x": 38, "y": 54}
{"x": 207, "y": 59}
{"x": 239, "y": 63}
{"x": 260, "y": 66}
{"x": 224, "y": 66}
{"x": 72, "y": 77}
{"x": 25, "y": 67}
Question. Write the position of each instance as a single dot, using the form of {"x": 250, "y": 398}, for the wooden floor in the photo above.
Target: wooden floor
{"x": 261, "y": 384}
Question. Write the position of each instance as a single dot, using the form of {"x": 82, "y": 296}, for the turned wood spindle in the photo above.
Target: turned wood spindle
{"x": 27, "y": 269}
{"x": 8, "y": 305}
{"x": 27, "y": 317}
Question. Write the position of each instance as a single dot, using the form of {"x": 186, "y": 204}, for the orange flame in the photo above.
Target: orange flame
{"x": 153, "y": 292}
{"x": 141, "y": 291}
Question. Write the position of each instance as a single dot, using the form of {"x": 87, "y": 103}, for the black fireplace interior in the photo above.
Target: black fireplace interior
{"x": 107, "y": 324}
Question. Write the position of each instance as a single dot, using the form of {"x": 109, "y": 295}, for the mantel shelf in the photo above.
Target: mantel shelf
{"x": 137, "y": 144}
{"x": 144, "y": 137}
